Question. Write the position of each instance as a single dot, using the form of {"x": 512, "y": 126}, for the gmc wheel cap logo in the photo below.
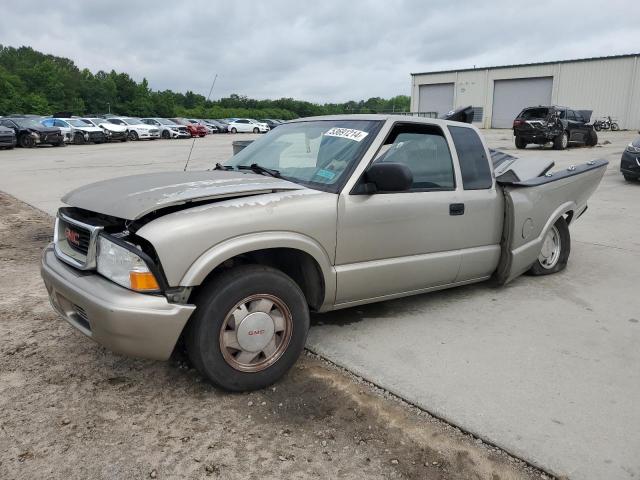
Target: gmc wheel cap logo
{"x": 256, "y": 332}
{"x": 72, "y": 236}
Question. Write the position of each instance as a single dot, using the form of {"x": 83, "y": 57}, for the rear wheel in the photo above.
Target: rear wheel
{"x": 592, "y": 138}
{"x": 520, "y": 143}
{"x": 597, "y": 126}
{"x": 629, "y": 178}
{"x": 249, "y": 328}
{"x": 556, "y": 247}
{"x": 561, "y": 141}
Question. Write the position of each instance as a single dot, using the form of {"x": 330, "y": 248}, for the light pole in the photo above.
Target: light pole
{"x": 109, "y": 107}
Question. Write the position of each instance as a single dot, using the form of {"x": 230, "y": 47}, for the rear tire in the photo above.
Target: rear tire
{"x": 555, "y": 251}
{"x": 629, "y": 178}
{"x": 230, "y": 320}
{"x": 520, "y": 143}
{"x": 561, "y": 141}
{"x": 592, "y": 138}
{"x": 597, "y": 127}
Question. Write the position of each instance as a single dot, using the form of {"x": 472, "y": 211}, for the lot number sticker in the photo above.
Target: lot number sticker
{"x": 350, "y": 133}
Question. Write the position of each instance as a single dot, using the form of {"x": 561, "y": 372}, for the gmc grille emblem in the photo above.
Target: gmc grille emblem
{"x": 72, "y": 236}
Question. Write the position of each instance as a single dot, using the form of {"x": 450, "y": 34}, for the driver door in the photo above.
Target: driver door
{"x": 389, "y": 244}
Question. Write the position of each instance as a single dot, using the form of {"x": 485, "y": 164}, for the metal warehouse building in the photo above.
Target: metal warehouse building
{"x": 606, "y": 85}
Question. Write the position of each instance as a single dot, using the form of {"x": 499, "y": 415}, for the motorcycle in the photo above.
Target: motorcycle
{"x": 607, "y": 124}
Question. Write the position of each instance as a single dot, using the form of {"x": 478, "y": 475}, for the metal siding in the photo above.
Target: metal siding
{"x": 436, "y": 98}
{"x": 511, "y": 96}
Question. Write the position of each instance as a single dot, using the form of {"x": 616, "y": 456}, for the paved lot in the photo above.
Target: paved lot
{"x": 546, "y": 368}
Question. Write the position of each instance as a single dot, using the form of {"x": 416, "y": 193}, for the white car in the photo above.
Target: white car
{"x": 112, "y": 131}
{"x": 75, "y": 130}
{"x": 136, "y": 128}
{"x": 247, "y": 125}
{"x": 168, "y": 128}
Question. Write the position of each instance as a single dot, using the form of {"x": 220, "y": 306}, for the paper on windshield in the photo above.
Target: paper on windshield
{"x": 350, "y": 133}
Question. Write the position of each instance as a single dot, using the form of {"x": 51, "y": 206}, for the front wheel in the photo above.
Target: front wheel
{"x": 556, "y": 247}
{"x": 629, "y": 178}
{"x": 78, "y": 139}
{"x": 249, "y": 328}
{"x": 133, "y": 135}
{"x": 234, "y": 130}
{"x": 615, "y": 127}
{"x": 597, "y": 126}
{"x": 256, "y": 130}
{"x": 166, "y": 135}
{"x": 26, "y": 141}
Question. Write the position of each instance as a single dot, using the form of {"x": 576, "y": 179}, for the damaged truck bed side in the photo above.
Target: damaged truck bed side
{"x": 320, "y": 214}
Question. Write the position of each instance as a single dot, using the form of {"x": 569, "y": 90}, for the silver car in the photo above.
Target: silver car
{"x": 321, "y": 214}
{"x": 168, "y": 128}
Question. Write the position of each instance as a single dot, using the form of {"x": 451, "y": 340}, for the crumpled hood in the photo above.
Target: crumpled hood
{"x": 135, "y": 196}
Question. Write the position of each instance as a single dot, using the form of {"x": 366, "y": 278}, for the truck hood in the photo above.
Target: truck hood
{"x": 135, "y": 196}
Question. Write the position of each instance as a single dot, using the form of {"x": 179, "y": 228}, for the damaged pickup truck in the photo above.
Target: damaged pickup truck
{"x": 320, "y": 214}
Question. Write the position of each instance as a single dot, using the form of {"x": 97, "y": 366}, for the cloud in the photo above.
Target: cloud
{"x": 321, "y": 51}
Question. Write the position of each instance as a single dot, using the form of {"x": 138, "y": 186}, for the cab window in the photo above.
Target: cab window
{"x": 424, "y": 150}
{"x": 474, "y": 165}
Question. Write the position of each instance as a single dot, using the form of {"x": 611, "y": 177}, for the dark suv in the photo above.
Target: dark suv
{"x": 560, "y": 125}
{"x": 630, "y": 161}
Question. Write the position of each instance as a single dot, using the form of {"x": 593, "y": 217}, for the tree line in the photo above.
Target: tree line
{"x": 32, "y": 82}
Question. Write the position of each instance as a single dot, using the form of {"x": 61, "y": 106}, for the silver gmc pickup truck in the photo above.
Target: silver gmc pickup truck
{"x": 319, "y": 214}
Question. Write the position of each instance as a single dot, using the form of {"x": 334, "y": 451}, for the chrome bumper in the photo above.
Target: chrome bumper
{"x": 125, "y": 322}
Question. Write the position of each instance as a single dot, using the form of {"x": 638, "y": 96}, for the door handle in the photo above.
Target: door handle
{"x": 456, "y": 209}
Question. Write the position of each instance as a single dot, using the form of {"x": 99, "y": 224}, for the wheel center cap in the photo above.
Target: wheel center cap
{"x": 255, "y": 331}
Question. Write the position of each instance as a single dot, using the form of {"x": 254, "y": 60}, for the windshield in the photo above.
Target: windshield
{"x": 96, "y": 121}
{"x": 165, "y": 121}
{"x": 318, "y": 154}
{"x": 27, "y": 122}
{"x": 132, "y": 121}
{"x": 76, "y": 123}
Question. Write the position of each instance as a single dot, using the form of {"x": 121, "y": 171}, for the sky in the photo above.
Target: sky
{"x": 320, "y": 51}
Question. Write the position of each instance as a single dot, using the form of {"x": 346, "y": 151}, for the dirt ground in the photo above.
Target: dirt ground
{"x": 71, "y": 409}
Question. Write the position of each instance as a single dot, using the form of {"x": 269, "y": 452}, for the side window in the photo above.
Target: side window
{"x": 60, "y": 123}
{"x": 48, "y": 123}
{"x": 579, "y": 117}
{"x": 474, "y": 165}
{"x": 571, "y": 115}
{"x": 424, "y": 150}
{"x": 562, "y": 114}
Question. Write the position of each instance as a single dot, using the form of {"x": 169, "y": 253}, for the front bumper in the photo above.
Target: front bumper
{"x": 124, "y": 321}
{"x": 142, "y": 134}
{"x": 8, "y": 141}
{"x": 630, "y": 164}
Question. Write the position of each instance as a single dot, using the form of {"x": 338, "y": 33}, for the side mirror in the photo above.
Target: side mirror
{"x": 388, "y": 177}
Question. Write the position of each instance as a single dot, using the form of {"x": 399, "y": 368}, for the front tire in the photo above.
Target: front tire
{"x": 561, "y": 141}
{"x": 555, "y": 251}
{"x": 133, "y": 136}
{"x": 520, "y": 143}
{"x": 256, "y": 130}
{"x": 26, "y": 141}
{"x": 234, "y": 130}
{"x": 249, "y": 328}
{"x": 166, "y": 135}
{"x": 615, "y": 127}
{"x": 78, "y": 139}
{"x": 629, "y": 178}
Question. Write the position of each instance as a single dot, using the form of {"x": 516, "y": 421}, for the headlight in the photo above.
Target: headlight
{"x": 35, "y": 135}
{"x": 124, "y": 267}
{"x": 632, "y": 149}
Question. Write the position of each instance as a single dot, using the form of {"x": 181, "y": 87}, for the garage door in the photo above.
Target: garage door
{"x": 511, "y": 96}
{"x": 436, "y": 98}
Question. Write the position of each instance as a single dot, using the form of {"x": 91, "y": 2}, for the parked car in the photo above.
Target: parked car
{"x": 76, "y": 131}
{"x": 168, "y": 128}
{"x": 30, "y": 132}
{"x": 308, "y": 218}
{"x": 195, "y": 129}
{"x": 560, "y": 125}
{"x": 247, "y": 125}
{"x": 221, "y": 126}
{"x": 271, "y": 123}
{"x": 630, "y": 161}
{"x": 136, "y": 129}
{"x": 7, "y": 137}
{"x": 112, "y": 131}
{"x": 209, "y": 127}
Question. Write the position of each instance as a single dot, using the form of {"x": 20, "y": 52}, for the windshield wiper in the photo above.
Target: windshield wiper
{"x": 254, "y": 167}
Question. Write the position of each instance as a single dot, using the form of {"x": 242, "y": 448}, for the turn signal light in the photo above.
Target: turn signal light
{"x": 143, "y": 281}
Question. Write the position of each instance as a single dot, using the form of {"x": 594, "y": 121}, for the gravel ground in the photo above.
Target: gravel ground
{"x": 70, "y": 409}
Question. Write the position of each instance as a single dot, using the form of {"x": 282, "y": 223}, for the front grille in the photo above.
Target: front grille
{"x": 96, "y": 137}
{"x": 154, "y": 131}
{"x": 75, "y": 241}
